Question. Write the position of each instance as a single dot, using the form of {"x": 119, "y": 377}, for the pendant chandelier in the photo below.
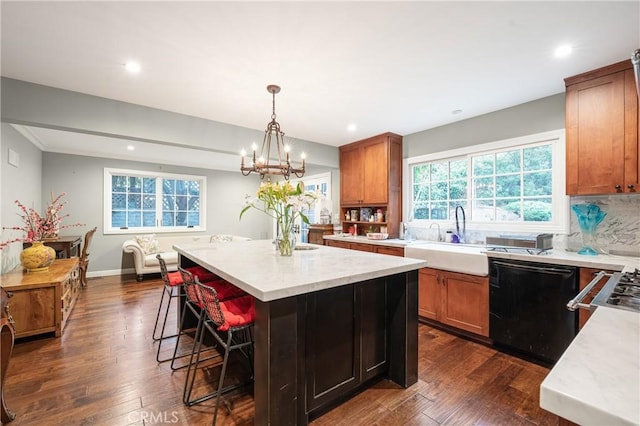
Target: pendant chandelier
{"x": 264, "y": 164}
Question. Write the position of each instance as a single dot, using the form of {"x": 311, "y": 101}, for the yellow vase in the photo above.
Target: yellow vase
{"x": 38, "y": 257}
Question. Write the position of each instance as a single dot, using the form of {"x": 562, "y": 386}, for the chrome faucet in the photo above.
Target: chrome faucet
{"x": 438, "y": 225}
{"x": 461, "y": 236}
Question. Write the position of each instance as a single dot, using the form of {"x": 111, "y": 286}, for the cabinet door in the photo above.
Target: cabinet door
{"x": 332, "y": 369}
{"x": 362, "y": 247}
{"x": 373, "y": 307}
{"x": 465, "y": 302}
{"x": 393, "y": 251}
{"x": 631, "y": 134}
{"x": 351, "y": 175}
{"x": 376, "y": 175}
{"x": 428, "y": 293}
{"x": 595, "y": 122}
{"x": 33, "y": 311}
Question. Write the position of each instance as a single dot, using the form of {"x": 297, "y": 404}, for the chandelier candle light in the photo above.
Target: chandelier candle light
{"x": 263, "y": 165}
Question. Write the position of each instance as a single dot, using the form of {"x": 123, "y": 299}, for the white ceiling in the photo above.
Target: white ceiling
{"x": 385, "y": 66}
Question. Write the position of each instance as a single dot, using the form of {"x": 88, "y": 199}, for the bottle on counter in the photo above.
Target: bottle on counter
{"x": 449, "y": 237}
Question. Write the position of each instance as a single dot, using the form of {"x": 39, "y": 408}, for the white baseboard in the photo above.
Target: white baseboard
{"x": 110, "y": 272}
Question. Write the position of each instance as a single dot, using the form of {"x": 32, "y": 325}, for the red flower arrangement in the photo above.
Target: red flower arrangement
{"x": 36, "y": 227}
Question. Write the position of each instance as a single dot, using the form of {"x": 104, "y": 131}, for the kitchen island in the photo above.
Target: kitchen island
{"x": 329, "y": 322}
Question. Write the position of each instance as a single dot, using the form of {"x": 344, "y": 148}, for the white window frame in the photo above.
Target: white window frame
{"x": 315, "y": 180}
{"x": 560, "y": 201}
{"x": 108, "y": 229}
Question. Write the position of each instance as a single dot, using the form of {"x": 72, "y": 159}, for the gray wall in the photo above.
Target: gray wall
{"x": 81, "y": 177}
{"x": 23, "y": 183}
{"x": 538, "y": 116}
{"x": 43, "y": 106}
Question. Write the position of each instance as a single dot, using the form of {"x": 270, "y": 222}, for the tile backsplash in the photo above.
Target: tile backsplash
{"x": 619, "y": 232}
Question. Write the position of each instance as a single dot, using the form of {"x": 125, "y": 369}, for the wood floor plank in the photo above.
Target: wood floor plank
{"x": 102, "y": 371}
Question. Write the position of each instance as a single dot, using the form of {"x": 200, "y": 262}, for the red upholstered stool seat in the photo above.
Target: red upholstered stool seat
{"x": 225, "y": 290}
{"x": 237, "y": 312}
{"x": 198, "y": 271}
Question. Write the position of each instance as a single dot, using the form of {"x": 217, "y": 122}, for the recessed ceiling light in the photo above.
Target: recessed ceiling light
{"x": 563, "y": 51}
{"x": 131, "y": 147}
{"x": 132, "y": 67}
{"x": 456, "y": 111}
{"x": 352, "y": 127}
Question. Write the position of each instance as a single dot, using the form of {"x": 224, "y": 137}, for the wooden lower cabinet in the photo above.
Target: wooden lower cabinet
{"x": 352, "y": 322}
{"x": 42, "y": 301}
{"x": 586, "y": 275}
{"x": 454, "y": 299}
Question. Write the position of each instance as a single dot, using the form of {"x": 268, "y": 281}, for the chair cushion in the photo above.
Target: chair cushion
{"x": 203, "y": 274}
{"x": 170, "y": 258}
{"x": 148, "y": 243}
{"x": 237, "y": 312}
{"x": 175, "y": 278}
{"x": 225, "y": 289}
{"x": 221, "y": 238}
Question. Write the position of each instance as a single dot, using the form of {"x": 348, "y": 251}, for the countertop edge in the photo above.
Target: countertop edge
{"x": 308, "y": 285}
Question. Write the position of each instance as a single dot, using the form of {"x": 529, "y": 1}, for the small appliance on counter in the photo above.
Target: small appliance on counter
{"x": 538, "y": 244}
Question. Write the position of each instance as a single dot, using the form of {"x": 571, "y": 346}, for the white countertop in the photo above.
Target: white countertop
{"x": 561, "y": 257}
{"x": 257, "y": 268}
{"x": 557, "y": 257}
{"x": 597, "y": 379}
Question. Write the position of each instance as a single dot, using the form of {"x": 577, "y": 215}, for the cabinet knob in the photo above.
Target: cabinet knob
{"x": 630, "y": 186}
{"x": 618, "y": 188}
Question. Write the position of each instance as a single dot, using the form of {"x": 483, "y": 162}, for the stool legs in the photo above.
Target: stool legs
{"x": 170, "y": 292}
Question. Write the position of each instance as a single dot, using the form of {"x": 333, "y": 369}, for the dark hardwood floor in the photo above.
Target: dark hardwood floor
{"x": 103, "y": 371}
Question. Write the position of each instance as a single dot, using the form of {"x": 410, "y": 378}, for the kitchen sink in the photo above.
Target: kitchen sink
{"x": 467, "y": 258}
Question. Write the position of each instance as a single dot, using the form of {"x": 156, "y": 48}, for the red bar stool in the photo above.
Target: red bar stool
{"x": 172, "y": 283}
{"x": 231, "y": 324}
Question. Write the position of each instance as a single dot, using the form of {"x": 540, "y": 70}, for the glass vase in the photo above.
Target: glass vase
{"x": 286, "y": 241}
{"x": 589, "y": 217}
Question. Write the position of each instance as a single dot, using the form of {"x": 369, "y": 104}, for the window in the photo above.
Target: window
{"x": 322, "y": 184}
{"x": 153, "y": 202}
{"x": 518, "y": 183}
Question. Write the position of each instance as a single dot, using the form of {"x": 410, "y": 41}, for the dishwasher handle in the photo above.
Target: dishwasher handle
{"x": 576, "y": 302}
{"x": 537, "y": 269}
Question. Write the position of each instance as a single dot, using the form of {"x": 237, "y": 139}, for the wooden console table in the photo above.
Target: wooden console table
{"x": 42, "y": 301}
{"x": 65, "y": 247}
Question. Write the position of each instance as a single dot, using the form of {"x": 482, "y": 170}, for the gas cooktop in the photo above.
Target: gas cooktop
{"x": 622, "y": 291}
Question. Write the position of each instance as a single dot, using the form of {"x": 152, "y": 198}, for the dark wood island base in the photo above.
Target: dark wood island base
{"x": 314, "y": 351}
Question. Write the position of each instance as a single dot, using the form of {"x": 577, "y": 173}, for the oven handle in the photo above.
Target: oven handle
{"x": 576, "y": 302}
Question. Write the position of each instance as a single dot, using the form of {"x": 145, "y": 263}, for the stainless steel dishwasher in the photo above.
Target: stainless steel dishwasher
{"x": 527, "y": 306}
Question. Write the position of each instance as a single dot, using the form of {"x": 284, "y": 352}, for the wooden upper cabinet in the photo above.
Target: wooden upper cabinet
{"x": 351, "y": 172}
{"x": 375, "y": 176}
{"x": 371, "y": 176}
{"x": 602, "y": 154}
{"x": 366, "y": 169}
